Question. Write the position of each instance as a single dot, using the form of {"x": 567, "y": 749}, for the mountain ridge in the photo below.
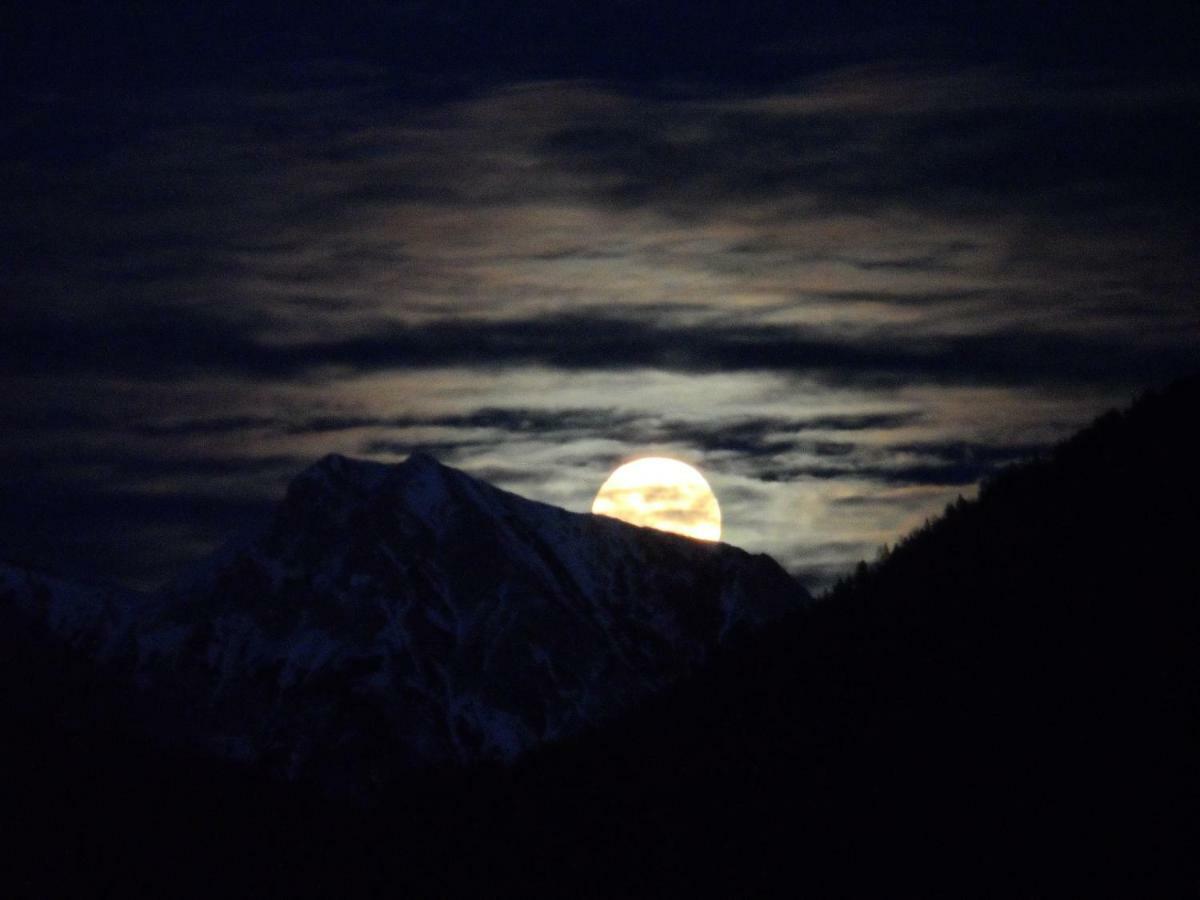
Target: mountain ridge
{"x": 456, "y": 620}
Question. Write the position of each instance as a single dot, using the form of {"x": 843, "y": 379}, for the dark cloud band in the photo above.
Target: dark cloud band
{"x": 194, "y": 344}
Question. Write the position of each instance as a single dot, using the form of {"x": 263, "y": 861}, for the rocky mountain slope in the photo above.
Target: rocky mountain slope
{"x": 411, "y": 615}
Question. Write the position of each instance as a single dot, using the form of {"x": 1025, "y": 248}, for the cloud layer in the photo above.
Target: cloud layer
{"x": 847, "y": 296}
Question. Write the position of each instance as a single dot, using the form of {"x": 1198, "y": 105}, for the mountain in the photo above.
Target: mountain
{"x": 1006, "y": 704}
{"x": 393, "y": 616}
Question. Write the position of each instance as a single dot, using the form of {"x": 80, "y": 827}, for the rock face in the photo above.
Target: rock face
{"x": 393, "y": 616}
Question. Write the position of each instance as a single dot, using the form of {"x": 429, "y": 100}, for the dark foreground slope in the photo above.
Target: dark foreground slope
{"x": 1006, "y": 705}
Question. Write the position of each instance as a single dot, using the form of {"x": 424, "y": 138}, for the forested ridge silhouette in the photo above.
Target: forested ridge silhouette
{"x": 1006, "y": 702}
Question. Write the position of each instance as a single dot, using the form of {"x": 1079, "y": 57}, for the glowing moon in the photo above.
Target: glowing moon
{"x": 661, "y": 493}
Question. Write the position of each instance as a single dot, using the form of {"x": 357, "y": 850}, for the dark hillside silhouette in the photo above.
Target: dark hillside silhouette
{"x": 1008, "y": 702}
{"x": 1005, "y": 704}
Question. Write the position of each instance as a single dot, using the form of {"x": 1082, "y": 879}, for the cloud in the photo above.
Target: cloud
{"x": 187, "y": 343}
{"x": 821, "y": 221}
{"x": 847, "y": 293}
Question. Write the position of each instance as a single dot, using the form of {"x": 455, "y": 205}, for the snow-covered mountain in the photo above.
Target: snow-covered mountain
{"x": 400, "y": 615}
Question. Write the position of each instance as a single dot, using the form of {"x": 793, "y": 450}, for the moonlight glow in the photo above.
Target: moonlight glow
{"x": 661, "y": 493}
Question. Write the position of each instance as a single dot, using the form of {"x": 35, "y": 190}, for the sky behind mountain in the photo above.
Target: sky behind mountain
{"x": 846, "y": 259}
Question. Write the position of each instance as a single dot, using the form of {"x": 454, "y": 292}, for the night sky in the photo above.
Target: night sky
{"x": 847, "y": 260}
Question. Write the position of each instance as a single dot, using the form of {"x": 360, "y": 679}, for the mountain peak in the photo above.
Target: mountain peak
{"x": 420, "y": 460}
{"x": 475, "y": 622}
{"x": 343, "y": 473}
{"x": 393, "y": 615}
{"x": 337, "y": 469}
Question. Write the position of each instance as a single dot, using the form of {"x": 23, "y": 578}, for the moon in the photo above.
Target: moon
{"x": 661, "y": 493}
